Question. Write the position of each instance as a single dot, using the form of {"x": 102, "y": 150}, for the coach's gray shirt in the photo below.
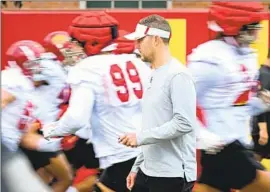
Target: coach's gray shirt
{"x": 167, "y": 137}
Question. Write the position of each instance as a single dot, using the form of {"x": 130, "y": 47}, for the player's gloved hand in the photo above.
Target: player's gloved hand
{"x": 49, "y": 130}
{"x": 209, "y": 142}
{"x": 69, "y": 142}
{"x": 49, "y": 145}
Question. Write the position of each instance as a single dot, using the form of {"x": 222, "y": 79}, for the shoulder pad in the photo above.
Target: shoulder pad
{"x": 212, "y": 52}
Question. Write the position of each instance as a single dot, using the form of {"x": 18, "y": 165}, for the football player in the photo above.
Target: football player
{"x": 107, "y": 89}
{"x": 225, "y": 72}
{"x": 28, "y": 65}
{"x": 69, "y": 53}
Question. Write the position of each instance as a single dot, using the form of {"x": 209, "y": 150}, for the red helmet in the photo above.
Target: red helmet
{"x": 25, "y": 54}
{"x": 94, "y": 30}
{"x": 59, "y": 43}
{"x": 230, "y": 17}
{"x": 54, "y": 41}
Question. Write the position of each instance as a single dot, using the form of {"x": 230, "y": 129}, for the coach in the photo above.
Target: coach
{"x": 167, "y": 138}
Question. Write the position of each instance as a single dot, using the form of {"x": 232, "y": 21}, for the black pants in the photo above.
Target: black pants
{"x": 232, "y": 168}
{"x": 146, "y": 183}
{"x": 115, "y": 176}
{"x": 82, "y": 154}
{"x": 39, "y": 159}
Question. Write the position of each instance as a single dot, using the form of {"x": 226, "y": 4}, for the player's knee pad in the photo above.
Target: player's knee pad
{"x": 83, "y": 173}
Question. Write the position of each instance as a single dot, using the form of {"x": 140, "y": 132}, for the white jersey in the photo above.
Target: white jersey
{"x": 225, "y": 77}
{"x": 17, "y": 114}
{"x": 49, "y": 97}
{"x": 118, "y": 83}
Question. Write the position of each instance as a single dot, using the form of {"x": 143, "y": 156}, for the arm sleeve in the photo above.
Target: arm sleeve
{"x": 205, "y": 75}
{"x": 137, "y": 163}
{"x": 183, "y": 98}
{"x": 78, "y": 113}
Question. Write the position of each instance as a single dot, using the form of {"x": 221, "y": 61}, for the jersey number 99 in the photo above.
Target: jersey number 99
{"x": 118, "y": 79}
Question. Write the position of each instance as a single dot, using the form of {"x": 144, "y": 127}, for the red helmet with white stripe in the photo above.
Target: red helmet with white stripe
{"x": 54, "y": 41}
{"x": 67, "y": 51}
{"x": 26, "y": 54}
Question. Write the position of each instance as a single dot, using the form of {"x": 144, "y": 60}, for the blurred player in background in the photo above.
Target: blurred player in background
{"x": 106, "y": 94}
{"x": 81, "y": 156}
{"x": 68, "y": 52}
{"x": 51, "y": 91}
{"x": 225, "y": 72}
{"x": 26, "y": 181}
{"x": 18, "y": 119}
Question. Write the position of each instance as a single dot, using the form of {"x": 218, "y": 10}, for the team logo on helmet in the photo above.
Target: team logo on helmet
{"x": 59, "y": 39}
{"x": 67, "y": 51}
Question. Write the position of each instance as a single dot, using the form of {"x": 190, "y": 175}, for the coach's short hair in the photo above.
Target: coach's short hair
{"x": 158, "y": 22}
